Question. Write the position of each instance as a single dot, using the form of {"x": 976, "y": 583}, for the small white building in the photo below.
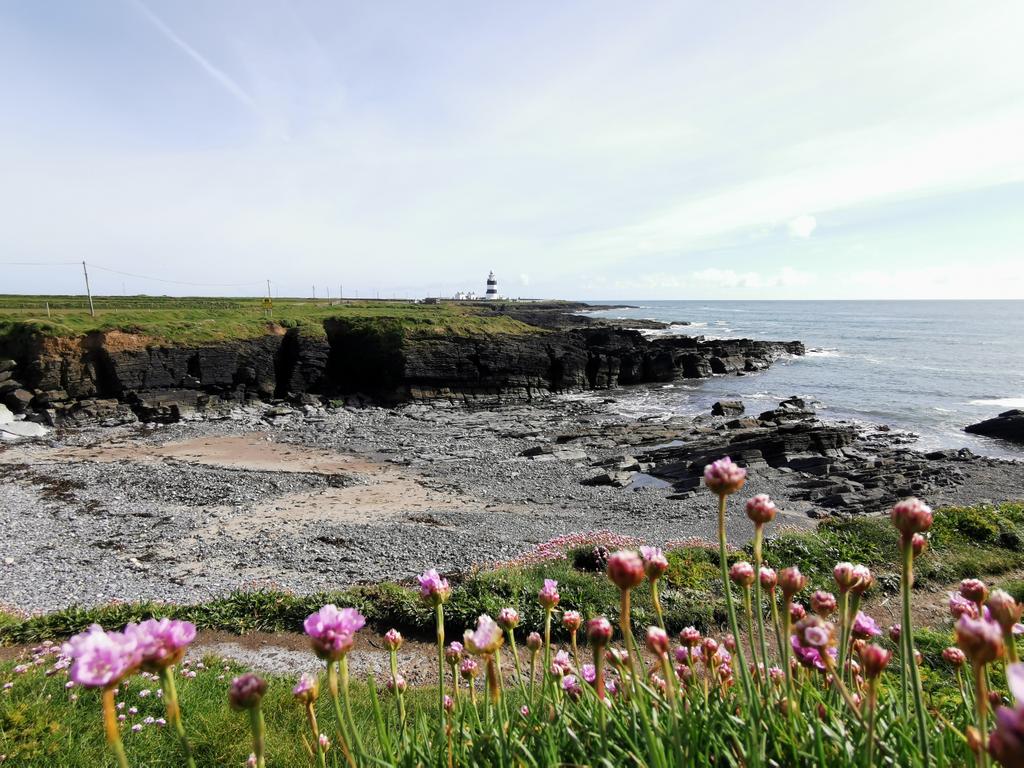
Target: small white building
{"x": 492, "y": 286}
{"x": 466, "y": 296}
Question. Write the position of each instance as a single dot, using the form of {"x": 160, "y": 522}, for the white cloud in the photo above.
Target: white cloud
{"x": 803, "y": 226}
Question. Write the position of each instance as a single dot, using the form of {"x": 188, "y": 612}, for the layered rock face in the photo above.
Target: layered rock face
{"x": 101, "y": 371}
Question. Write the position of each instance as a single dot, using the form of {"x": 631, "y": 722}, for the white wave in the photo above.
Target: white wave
{"x": 825, "y": 352}
{"x": 1002, "y": 402}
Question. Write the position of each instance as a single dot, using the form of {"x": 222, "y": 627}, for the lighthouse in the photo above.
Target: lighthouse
{"x": 492, "y": 286}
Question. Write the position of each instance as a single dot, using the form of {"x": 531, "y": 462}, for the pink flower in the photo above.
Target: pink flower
{"x": 844, "y": 576}
{"x": 657, "y": 641}
{"x": 449, "y": 703}
{"x": 1006, "y": 744}
{"x": 974, "y": 590}
{"x": 808, "y": 656}
{"x": 599, "y": 631}
{"x": 324, "y": 742}
{"x": 864, "y": 579}
{"x": 485, "y": 639}
{"x": 954, "y": 656}
{"x": 434, "y": 589}
{"x": 508, "y": 618}
{"x": 548, "y": 595}
{"x": 571, "y": 686}
{"x": 742, "y": 573}
{"x": 1005, "y": 611}
{"x": 246, "y": 691}
{"x": 625, "y": 569}
{"x": 572, "y": 621}
{"x": 589, "y": 673}
{"x": 961, "y": 606}
{"x": 161, "y": 642}
{"x": 815, "y": 632}
{"x": 393, "y": 638}
{"x": 561, "y": 664}
{"x": 769, "y": 579}
{"x": 864, "y": 626}
{"x": 398, "y": 683}
{"x": 981, "y": 640}
{"x": 468, "y": 669}
{"x": 823, "y": 603}
{"x": 453, "y": 653}
{"x": 723, "y": 477}
{"x": 875, "y": 659}
{"x": 306, "y": 690}
{"x": 911, "y": 516}
{"x": 791, "y": 581}
{"x": 761, "y": 509}
{"x": 655, "y": 562}
{"x": 100, "y": 659}
{"x": 796, "y": 611}
{"x": 690, "y": 637}
{"x": 332, "y": 631}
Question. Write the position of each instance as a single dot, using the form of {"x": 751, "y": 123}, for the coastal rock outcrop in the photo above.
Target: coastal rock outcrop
{"x": 1008, "y": 425}
{"x": 66, "y": 377}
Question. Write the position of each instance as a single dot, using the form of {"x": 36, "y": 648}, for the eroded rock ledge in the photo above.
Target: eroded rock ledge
{"x": 117, "y": 376}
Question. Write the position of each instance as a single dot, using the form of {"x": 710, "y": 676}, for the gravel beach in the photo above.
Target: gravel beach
{"x": 311, "y": 498}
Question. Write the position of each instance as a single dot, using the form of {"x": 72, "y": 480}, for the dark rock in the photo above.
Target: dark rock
{"x": 727, "y": 408}
{"x": 616, "y": 479}
{"x": 17, "y": 400}
{"x": 1008, "y": 425}
{"x": 6, "y": 364}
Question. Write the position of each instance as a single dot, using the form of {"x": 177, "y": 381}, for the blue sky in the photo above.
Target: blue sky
{"x": 579, "y": 149}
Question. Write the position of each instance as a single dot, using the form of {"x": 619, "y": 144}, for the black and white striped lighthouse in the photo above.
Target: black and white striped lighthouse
{"x": 492, "y": 286}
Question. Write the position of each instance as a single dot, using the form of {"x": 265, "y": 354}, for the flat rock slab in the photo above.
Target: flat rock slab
{"x": 20, "y": 429}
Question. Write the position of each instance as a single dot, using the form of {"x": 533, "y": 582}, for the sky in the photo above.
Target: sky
{"x": 580, "y": 149}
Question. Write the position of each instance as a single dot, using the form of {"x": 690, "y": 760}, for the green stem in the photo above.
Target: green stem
{"x": 112, "y": 728}
{"x": 656, "y": 599}
{"x": 546, "y": 670}
{"x": 750, "y": 632}
{"x": 758, "y": 598}
{"x": 348, "y": 707}
{"x": 515, "y": 659}
{"x": 626, "y": 626}
{"x": 332, "y": 686}
{"x": 311, "y": 719}
{"x": 398, "y": 694}
{"x": 174, "y": 712}
{"x": 729, "y": 606}
{"x": 915, "y": 673}
{"x": 439, "y": 615}
{"x": 872, "y": 704}
{"x": 981, "y": 711}
{"x": 258, "y": 735}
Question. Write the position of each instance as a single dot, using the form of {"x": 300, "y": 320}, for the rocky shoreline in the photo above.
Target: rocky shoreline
{"x": 311, "y": 498}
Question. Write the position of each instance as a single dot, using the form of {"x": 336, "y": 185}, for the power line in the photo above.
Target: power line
{"x": 38, "y": 263}
{"x": 177, "y": 282}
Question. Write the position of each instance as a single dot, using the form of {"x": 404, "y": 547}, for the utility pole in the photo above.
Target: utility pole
{"x": 341, "y": 293}
{"x": 314, "y": 292}
{"x": 88, "y": 292}
{"x": 269, "y": 303}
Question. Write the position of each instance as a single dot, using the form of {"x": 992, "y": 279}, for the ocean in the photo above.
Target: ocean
{"x": 929, "y": 367}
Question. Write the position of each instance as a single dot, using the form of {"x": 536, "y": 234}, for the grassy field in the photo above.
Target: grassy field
{"x": 199, "y": 320}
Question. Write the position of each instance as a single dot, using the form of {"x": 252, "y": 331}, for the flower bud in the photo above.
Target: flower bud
{"x": 918, "y": 544}
{"x": 655, "y": 562}
{"x": 246, "y": 691}
{"x": 864, "y": 579}
{"x": 1006, "y": 744}
{"x": 453, "y": 653}
{"x": 1005, "y": 611}
{"x": 796, "y": 611}
{"x": 791, "y": 581}
{"x": 548, "y": 595}
{"x": 449, "y": 703}
{"x": 911, "y": 516}
{"x": 981, "y": 640}
{"x": 306, "y": 690}
{"x": 508, "y": 618}
{"x": 729, "y": 641}
{"x": 534, "y": 641}
{"x": 974, "y": 742}
{"x": 572, "y": 621}
{"x": 844, "y": 576}
{"x": 690, "y": 637}
{"x": 974, "y": 590}
{"x": 875, "y": 659}
{"x": 894, "y": 633}
{"x": 768, "y": 578}
{"x": 393, "y": 638}
{"x": 398, "y": 684}
{"x": 599, "y": 631}
{"x": 657, "y": 641}
{"x": 823, "y": 603}
{"x": 625, "y": 569}
{"x": 469, "y": 669}
{"x": 761, "y": 509}
{"x": 954, "y": 656}
{"x": 434, "y": 589}
{"x": 325, "y": 743}
{"x": 723, "y": 477}
{"x": 742, "y": 574}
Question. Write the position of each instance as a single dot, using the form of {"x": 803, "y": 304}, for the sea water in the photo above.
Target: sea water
{"x": 930, "y": 367}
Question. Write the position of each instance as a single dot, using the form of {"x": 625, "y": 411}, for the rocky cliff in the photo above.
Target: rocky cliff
{"x": 383, "y": 360}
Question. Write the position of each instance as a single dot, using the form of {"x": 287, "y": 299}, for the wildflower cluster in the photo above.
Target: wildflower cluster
{"x": 792, "y": 671}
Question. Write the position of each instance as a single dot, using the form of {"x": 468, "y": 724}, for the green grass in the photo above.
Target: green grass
{"x": 198, "y": 320}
